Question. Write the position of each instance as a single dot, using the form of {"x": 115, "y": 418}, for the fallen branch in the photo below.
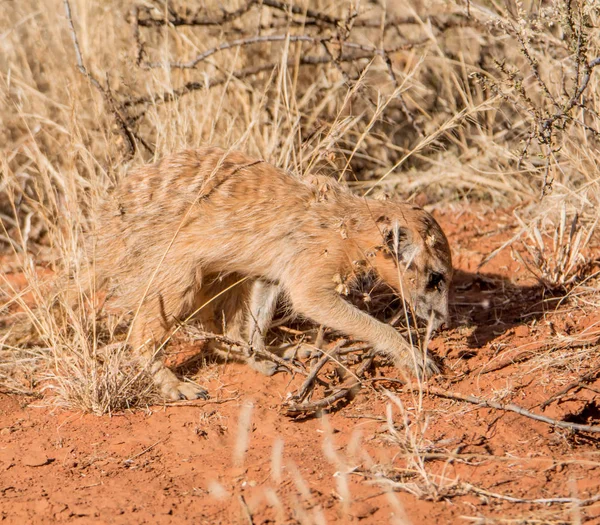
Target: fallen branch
{"x": 148, "y": 449}
{"x": 296, "y": 409}
{"x": 510, "y": 407}
{"x": 539, "y": 501}
{"x": 293, "y": 409}
{"x": 199, "y": 403}
{"x": 309, "y": 381}
{"x": 244, "y": 350}
{"x": 460, "y": 489}
{"x": 521, "y": 357}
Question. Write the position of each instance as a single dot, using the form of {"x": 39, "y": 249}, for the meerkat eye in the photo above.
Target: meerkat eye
{"x": 435, "y": 281}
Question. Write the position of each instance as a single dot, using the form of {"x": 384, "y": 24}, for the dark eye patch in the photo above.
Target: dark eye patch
{"x": 435, "y": 280}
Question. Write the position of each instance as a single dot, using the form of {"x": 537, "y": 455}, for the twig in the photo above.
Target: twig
{"x": 586, "y": 378}
{"x": 296, "y": 409}
{"x": 521, "y": 357}
{"x": 510, "y": 407}
{"x": 309, "y": 381}
{"x": 293, "y": 409}
{"x": 175, "y": 19}
{"x": 563, "y": 113}
{"x": 386, "y": 379}
{"x": 542, "y": 501}
{"x": 364, "y": 366}
{"x": 246, "y": 509}
{"x": 360, "y": 347}
{"x": 200, "y": 402}
{"x": 78, "y": 56}
{"x": 463, "y": 488}
{"x": 124, "y": 129}
{"x": 235, "y": 43}
{"x": 129, "y": 460}
{"x": 240, "y": 42}
{"x": 407, "y": 113}
{"x": 246, "y": 350}
{"x": 189, "y": 87}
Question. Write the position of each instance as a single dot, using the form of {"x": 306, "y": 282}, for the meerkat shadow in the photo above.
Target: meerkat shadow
{"x": 492, "y": 305}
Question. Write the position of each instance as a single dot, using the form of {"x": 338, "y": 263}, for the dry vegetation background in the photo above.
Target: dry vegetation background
{"x": 449, "y": 104}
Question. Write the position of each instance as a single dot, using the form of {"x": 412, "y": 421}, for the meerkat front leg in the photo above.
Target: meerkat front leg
{"x": 327, "y": 307}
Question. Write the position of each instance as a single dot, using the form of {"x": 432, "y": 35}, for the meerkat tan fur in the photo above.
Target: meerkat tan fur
{"x": 227, "y": 234}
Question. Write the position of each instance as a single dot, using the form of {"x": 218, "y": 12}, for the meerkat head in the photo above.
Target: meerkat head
{"x": 414, "y": 258}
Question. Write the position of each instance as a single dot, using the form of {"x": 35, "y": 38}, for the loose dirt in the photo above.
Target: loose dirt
{"x": 387, "y": 456}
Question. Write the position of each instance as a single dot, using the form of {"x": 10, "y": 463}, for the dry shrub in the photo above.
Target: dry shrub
{"x": 558, "y": 263}
{"x": 451, "y": 100}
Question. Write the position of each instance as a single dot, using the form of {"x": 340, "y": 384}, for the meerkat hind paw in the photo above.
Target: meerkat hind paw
{"x": 420, "y": 366}
{"x": 183, "y": 390}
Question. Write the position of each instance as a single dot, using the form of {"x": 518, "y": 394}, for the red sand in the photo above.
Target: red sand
{"x": 188, "y": 464}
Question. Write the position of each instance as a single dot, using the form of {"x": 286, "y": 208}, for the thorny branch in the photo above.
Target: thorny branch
{"x": 349, "y": 51}
{"x": 128, "y": 135}
{"x": 178, "y": 19}
{"x": 547, "y": 124}
{"x": 373, "y": 51}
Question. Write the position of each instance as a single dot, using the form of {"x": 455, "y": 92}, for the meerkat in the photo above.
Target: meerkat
{"x": 223, "y": 235}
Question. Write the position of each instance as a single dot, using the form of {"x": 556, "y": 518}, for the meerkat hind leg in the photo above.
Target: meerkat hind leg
{"x": 169, "y": 385}
{"x": 152, "y": 327}
{"x": 263, "y": 302}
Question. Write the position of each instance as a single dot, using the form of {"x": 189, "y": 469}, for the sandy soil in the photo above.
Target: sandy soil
{"x": 235, "y": 459}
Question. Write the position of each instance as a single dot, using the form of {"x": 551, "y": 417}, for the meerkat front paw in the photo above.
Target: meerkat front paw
{"x": 427, "y": 367}
{"x": 422, "y": 366}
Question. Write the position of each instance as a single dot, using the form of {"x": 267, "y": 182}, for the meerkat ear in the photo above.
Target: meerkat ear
{"x": 398, "y": 242}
